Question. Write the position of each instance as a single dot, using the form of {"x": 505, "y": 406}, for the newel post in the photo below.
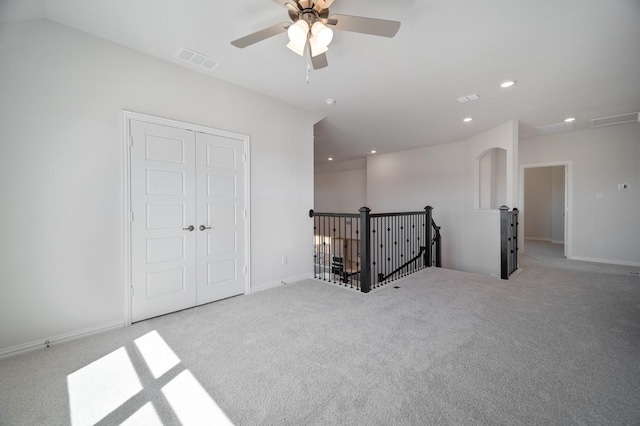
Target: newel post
{"x": 365, "y": 250}
{"x": 504, "y": 242}
{"x": 428, "y": 236}
{"x": 514, "y": 237}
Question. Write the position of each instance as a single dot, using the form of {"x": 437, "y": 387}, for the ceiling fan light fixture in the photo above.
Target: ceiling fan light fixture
{"x": 322, "y": 33}
{"x": 296, "y": 47}
{"x": 298, "y": 32}
{"x": 317, "y": 48}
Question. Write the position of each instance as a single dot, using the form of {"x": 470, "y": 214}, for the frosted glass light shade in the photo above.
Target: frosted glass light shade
{"x": 298, "y": 32}
{"x": 316, "y": 48}
{"x": 296, "y": 47}
{"x": 322, "y": 33}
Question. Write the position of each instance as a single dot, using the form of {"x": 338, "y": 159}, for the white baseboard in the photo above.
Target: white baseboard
{"x": 608, "y": 261}
{"x": 538, "y": 239}
{"x": 60, "y": 338}
{"x": 273, "y": 284}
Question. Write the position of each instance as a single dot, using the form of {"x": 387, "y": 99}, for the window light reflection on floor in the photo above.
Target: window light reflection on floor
{"x": 156, "y": 353}
{"x": 147, "y": 415}
{"x": 191, "y": 403}
{"x": 101, "y": 387}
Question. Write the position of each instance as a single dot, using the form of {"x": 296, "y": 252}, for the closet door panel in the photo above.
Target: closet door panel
{"x": 220, "y": 174}
{"x": 163, "y": 267}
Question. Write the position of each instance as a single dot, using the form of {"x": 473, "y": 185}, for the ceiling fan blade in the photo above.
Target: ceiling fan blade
{"x": 319, "y": 61}
{"x": 288, "y": 4}
{"x": 261, "y": 35}
{"x": 360, "y": 24}
{"x": 322, "y": 4}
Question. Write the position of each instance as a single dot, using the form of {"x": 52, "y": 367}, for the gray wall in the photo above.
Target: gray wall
{"x": 340, "y": 187}
{"x": 447, "y": 177}
{"x": 61, "y": 165}
{"x": 603, "y": 221}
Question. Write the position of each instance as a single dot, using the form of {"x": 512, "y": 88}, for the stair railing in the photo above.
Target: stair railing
{"x": 366, "y": 251}
{"x": 508, "y": 241}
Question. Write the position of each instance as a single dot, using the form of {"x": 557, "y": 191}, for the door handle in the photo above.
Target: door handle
{"x": 202, "y": 227}
{"x": 189, "y": 228}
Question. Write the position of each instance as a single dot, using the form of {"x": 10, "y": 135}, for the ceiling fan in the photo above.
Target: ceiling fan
{"x": 311, "y": 28}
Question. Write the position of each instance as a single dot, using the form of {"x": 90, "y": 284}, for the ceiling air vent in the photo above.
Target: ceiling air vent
{"x": 632, "y": 117}
{"x": 197, "y": 59}
{"x": 556, "y": 128}
{"x": 471, "y": 97}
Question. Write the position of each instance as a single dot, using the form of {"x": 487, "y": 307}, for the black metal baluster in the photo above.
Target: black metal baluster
{"x": 327, "y": 250}
{"x": 359, "y": 257}
{"x": 405, "y": 249}
{"x": 401, "y": 244}
{"x": 393, "y": 247}
{"x": 347, "y": 251}
{"x": 404, "y": 240}
{"x": 416, "y": 223}
{"x": 336, "y": 245}
{"x": 351, "y": 254}
{"x": 379, "y": 249}
{"x": 387, "y": 247}
{"x": 316, "y": 259}
{"x": 374, "y": 251}
{"x": 396, "y": 248}
{"x": 416, "y": 247}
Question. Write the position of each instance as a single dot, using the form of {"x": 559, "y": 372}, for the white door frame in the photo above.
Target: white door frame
{"x": 128, "y": 116}
{"x": 568, "y": 213}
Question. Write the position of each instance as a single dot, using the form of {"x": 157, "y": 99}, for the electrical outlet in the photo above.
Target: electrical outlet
{"x": 599, "y": 195}
{"x": 622, "y": 186}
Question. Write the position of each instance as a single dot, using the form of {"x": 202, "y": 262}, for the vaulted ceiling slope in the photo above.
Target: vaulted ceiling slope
{"x": 577, "y": 58}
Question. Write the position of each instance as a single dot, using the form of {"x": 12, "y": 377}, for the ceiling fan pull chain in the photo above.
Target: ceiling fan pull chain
{"x": 308, "y": 70}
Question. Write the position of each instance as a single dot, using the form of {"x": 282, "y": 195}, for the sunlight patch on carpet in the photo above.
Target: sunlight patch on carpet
{"x": 191, "y": 402}
{"x": 107, "y": 387}
{"x": 101, "y": 387}
{"x": 156, "y": 353}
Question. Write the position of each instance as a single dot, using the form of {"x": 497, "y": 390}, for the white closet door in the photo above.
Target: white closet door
{"x": 163, "y": 200}
{"x": 220, "y": 171}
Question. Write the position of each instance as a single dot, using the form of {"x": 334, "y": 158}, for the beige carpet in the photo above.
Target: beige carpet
{"x": 556, "y": 345}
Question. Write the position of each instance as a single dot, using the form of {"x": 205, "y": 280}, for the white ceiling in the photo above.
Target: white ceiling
{"x": 576, "y": 58}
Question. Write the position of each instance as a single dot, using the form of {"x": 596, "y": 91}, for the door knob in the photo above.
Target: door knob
{"x": 189, "y": 228}
{"x": 202, "y": 227}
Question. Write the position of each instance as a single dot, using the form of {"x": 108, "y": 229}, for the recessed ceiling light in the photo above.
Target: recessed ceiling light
{"x": 569, "y": 120}
{"x": 468, "y": 119}
{"x": 507, "y": 83}
{"x": 373, "y": 151}
{"x": 330, "y": 101}
{"x": 330, "y": 158}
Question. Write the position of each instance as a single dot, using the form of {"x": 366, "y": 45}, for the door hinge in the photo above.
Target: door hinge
{"x": 132, "y": 291}
{"x": 246, "y": 269}
{"x": 244, "y": 213}
{"x": 244, "y": 157}
{"x": 131, "y": 216}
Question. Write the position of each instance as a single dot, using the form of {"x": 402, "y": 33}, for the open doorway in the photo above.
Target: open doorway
{"x": 545, "y": 200}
